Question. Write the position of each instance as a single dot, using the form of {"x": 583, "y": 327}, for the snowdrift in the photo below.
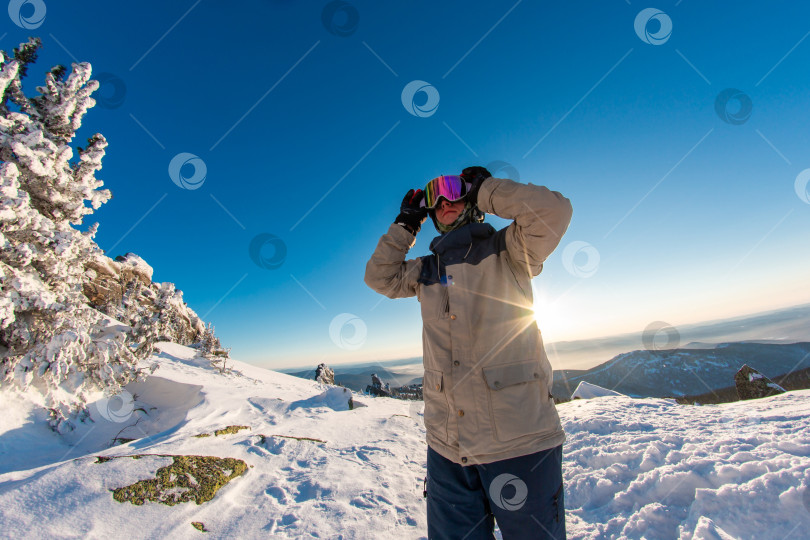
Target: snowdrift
{"x": 318, "y": 466}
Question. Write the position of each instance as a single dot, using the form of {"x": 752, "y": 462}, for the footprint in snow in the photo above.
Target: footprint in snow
{"x": 368, "y": 499}
{"x": 274, "y": 445}
{"x": 308, "y": 490}
{"x": 363, "y": 502}
{"x": 277, "y": 493}
{"x": 365, "y": 453}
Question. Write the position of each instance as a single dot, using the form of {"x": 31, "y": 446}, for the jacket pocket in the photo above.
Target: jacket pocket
{"x": 436, "y": 408}
{"x": 518, "y": 400}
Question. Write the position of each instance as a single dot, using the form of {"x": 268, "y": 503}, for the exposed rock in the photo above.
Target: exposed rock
{"x": 377, "y": 387}
{"x": 134, "y": 266}
{"x": 751, "y": 384}
{"x": 324, "y": 374}
{"x": 230, "y": 430}
{"x": 188, "y": 478}
{"x": 123, "y": 289}
{"x": 381, "y": 389}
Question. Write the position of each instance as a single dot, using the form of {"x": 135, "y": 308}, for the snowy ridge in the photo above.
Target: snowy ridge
{"x": 633, "y": 467}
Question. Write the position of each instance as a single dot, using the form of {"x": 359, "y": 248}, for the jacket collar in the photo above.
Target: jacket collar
{"x": 461, "y": 237}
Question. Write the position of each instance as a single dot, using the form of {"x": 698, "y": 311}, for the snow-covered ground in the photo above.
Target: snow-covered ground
{"x": 634, "y": 468}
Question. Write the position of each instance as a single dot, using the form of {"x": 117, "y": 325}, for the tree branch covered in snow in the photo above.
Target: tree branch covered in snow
{"x": 50, "y": 338}
{"x": 72, "y": 320}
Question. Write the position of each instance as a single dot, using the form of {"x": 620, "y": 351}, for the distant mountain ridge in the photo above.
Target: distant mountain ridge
{"x": 680, "y": 372}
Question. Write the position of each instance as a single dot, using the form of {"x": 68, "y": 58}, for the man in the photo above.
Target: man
{"x": 493, "y": 433}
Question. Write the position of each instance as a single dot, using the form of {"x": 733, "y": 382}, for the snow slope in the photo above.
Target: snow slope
{"x": 634, "y": 468}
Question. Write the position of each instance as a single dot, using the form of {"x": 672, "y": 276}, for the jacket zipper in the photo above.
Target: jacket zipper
{"x": 445, "y": 307}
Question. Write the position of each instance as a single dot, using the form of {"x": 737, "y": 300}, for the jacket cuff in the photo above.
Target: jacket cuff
{"x": 402, "y": 236}
{"x": 485, "y": 194}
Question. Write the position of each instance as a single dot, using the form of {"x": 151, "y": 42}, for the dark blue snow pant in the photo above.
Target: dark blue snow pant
{"x": 524, "y": 494}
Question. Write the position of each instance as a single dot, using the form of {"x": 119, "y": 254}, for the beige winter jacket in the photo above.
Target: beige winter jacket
{"x": 487, "y": 382}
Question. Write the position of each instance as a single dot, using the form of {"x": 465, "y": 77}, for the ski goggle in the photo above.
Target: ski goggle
{"x": 452, "y": 188}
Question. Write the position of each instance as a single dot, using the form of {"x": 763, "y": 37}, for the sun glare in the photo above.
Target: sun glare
{"x": 553, "y": 319}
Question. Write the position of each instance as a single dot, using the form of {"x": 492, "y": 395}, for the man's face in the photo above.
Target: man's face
{"x": 447, "y": 212}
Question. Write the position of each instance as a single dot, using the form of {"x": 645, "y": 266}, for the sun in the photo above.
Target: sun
{"x": 553, "y": 318}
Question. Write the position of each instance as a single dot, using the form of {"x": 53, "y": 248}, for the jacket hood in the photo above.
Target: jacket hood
{"x": 461, "y": 237}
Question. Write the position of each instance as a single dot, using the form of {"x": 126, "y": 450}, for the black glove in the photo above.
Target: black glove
{"x": 411, "y": 215}
{"x": 474, "y": 176}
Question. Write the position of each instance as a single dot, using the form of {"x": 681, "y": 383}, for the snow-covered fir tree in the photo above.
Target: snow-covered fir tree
{"x": 210, "y": 347}
{"x": 61, "y": 299}
{"x": 50, "y": 338}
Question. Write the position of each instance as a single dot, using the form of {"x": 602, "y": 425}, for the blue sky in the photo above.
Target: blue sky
{"x": 681, "y": 213}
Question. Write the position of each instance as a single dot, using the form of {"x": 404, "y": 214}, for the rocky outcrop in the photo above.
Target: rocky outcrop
{"x": 124, "y": 290}
{"x": 324, "y": 374}
{"x": 187, "y": 478}
{"x": 381, "y": 389}
{"x": 751, "y": 384}
{"x": 110, "y": 278}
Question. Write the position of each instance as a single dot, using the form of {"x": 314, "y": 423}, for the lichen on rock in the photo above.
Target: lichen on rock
{"x": 230, "y": 430}
{"x": 187, "y": 478}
